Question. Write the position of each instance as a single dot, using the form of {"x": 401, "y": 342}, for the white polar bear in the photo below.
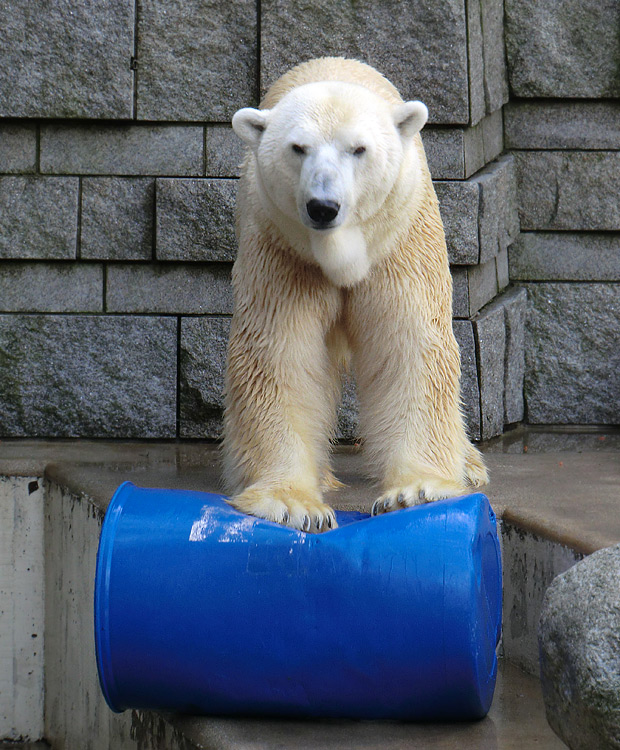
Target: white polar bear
{"x": 341, "y": 256}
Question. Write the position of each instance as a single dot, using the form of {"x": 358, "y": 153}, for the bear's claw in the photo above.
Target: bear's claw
{"x": 419, "y": 492}
{"x": 395, "y": 501}
{"x": 290, "y": 506}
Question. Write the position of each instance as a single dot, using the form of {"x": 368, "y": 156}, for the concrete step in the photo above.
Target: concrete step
{"x": 539, "y": 496}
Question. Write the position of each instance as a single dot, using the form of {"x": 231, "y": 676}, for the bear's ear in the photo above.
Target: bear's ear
{"x": 249, "y": 124}
{"x": 410, "y": 118}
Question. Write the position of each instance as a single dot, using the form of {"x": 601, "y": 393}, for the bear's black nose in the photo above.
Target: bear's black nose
{"x": 322, "y": 212}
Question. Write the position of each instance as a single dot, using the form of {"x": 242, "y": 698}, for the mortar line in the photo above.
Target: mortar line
{"x": 214, "y": 266}
{"x": 563, "y": 150}
{"x": 126, "y": 175}
{"x": 111, "y": 314}
{"x": 111, "y": 122}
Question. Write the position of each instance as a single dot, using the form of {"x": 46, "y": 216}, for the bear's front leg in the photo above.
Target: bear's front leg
{"x": 281, "y": 392}
{"x": 408, "y": 370}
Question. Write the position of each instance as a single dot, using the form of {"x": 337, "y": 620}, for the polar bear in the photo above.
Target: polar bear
{"x": 342, "y": 257}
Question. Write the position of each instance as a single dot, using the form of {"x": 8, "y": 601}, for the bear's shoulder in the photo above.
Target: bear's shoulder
{"x": 341, "y": 69}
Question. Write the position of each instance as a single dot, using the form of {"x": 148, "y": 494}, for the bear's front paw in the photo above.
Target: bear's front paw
{"x": 418, "y": 492}
{"x": 476, "y": 472}
{"x": 295, "y": 507}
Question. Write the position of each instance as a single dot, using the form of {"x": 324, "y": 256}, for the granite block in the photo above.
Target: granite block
{"x": 197, "y": 59}
{"x": 460, "y": 292}
{"x": 473, "y": 150}
{"x": 475, "y": 51}
{"x": 18, "y": 147}
{"x": 492, "y": 135}
{"x": 225, "y": 152}
{"x": 488, "y": 79}
{"x": 470, "y": 390}
{"x": 410, "y": 43}
{"x": 196, "y": 219}
{"x": 563, "y": 125}
{"x": 457, "y": 153}
{"x": 87, "y": 376}
{"x": 445, "y": 152}
{"x": 514, "y": 303}
{"x": 512, "y": 205}
{"x": 51, "y": 287}
{"x": 495, "y": 69}
{"x": 569, "y": 190}
{"x": 501, "y": 265}
{"x": 458, "y": 203}
{"x": 348, "y": 428}
{"x": 122, "y": 149}
{"x": 203, "y": 363}
{"x": 572, "y": 358}
{"x": 117, "y": 218}
{"x": 482, "y": 285}
{"x": 498, "y": 214}
{"x": 565, "y": 256}
{"x": 492, "y": 208}
{"x": 204, "y": 343}
{"x": 567, "y": 49}
{"x": 170, "y": 288}
{"x": 473, "y": 287}
{"x": 66, "y": 59}
{"x": 490, "y": 331}
{"x": 38, "y": 217}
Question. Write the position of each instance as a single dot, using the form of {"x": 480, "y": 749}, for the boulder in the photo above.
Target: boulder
{"x": 579, "y": 640}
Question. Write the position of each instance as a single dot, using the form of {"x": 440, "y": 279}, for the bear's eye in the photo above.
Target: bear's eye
{"x": 298, "y": 149}
{"x": 359, "y": 150}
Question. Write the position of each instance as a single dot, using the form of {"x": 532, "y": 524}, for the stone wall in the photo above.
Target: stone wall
{"x": 118, "y": 176}
{"x": 563, "y": 127}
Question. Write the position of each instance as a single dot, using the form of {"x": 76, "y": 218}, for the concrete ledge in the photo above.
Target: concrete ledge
{"x": 542, "y": 479}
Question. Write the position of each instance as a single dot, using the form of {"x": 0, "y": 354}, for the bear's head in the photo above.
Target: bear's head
{"x": 327, "y": 156}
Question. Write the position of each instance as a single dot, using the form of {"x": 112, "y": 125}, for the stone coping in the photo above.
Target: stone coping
{"x": 563, "y": 485}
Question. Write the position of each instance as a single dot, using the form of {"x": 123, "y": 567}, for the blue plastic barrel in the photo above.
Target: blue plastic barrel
{"x": 202, "y": 609}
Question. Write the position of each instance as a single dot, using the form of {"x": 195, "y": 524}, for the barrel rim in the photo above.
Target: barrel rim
{"x": 102, "y": 596}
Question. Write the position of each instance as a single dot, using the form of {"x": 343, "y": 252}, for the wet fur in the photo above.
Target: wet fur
{"x": 293, "y": 328}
